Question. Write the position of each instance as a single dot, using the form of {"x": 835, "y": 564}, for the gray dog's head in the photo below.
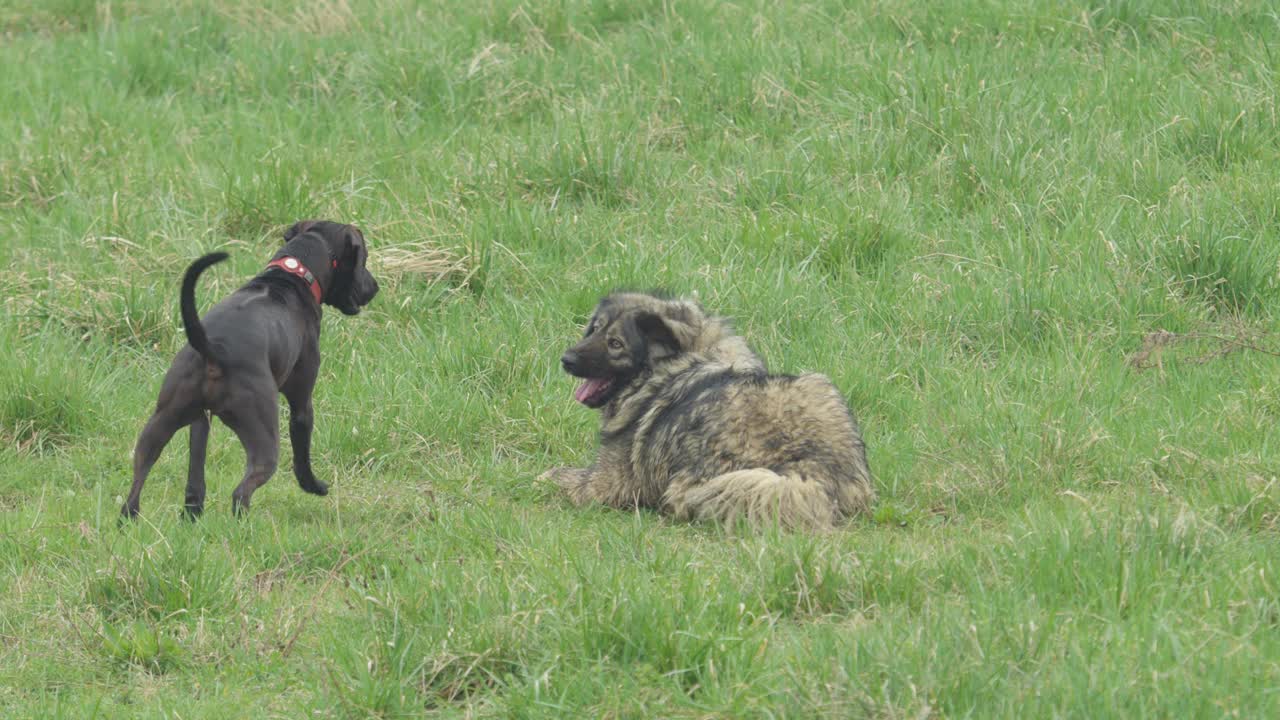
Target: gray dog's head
{"x": 627, "y": 334}
{"x": 350, "y": 286}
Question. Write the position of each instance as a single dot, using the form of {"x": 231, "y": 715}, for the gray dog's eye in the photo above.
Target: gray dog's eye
{"x": 615, "y": 344}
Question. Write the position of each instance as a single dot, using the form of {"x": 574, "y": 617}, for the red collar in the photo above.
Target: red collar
{"x": 293, "y": 266}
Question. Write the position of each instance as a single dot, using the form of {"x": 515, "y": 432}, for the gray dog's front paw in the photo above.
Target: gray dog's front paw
{"x": 551, "y": 476}
{"x": 564, "y": 476}
{"x": 572, "y": 480}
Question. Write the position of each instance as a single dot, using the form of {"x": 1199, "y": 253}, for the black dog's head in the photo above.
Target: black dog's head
{"x": 627, "y": 334}
{"x": 350, "y": 286}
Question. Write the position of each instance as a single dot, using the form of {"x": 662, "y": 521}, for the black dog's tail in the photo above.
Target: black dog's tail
{"x": 190, "y": 318}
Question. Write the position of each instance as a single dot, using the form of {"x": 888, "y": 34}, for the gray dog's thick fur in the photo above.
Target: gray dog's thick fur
{"x": 694, "y": 426}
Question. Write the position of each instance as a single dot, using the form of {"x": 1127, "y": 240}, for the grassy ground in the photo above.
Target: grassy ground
{"x": 976, "y": 216}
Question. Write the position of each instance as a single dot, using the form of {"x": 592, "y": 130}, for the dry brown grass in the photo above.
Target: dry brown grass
{"x": 319, "y": 17}
{"x": 418, "y": 260}
{"x": 1206, "y": 347}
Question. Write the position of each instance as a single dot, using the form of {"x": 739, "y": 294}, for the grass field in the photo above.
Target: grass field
{"x": 1036, "y": 245}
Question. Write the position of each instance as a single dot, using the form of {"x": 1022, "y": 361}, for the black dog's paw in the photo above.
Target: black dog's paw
{"x": 128, "y": 512}
{"x": 315, "y": 487}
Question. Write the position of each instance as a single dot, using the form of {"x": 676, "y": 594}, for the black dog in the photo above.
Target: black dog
{"x": 263, "y": 339}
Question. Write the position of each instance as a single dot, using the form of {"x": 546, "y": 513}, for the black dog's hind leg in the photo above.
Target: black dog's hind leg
{"x": 155, "y": 435}
{"x": 256, "y": 422}
{"x": 301, "y": 421}
{"x": 194, "y": 504}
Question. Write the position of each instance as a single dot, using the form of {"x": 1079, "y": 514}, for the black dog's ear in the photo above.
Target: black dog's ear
{"x": 353, "y": 286}
{"x": 356, "y": 246}
{"x": 298, "y": 228}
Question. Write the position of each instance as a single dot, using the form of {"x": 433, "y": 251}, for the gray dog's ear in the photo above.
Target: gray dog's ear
{"x": 298, "y": 228}
{"x": 665, "y": 330}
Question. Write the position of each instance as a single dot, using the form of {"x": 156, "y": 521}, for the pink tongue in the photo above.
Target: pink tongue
{"x": 588, "y": 389}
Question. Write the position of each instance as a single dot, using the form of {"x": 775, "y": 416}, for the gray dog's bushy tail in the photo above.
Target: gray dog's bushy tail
{"x": 191, "y": 318}
{"x": 761, "y": 496}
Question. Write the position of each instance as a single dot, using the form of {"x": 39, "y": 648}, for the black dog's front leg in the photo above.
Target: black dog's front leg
{"x": 301, "y": 422}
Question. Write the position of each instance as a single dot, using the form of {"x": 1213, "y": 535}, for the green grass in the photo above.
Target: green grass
{"x": 974, "y": 216}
